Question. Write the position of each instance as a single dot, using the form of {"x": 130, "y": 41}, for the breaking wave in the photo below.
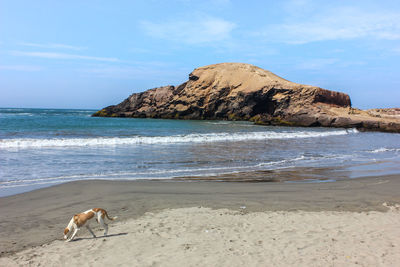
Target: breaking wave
{"x": 175, "y": 139}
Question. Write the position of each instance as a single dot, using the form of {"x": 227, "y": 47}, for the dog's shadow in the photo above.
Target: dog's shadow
{"x": 97, "y": 237}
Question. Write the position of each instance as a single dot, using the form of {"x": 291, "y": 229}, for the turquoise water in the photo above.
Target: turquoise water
{"x": 42, "y": 147}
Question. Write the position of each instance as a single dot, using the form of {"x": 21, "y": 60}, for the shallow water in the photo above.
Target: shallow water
{"x": 41, "y": 147}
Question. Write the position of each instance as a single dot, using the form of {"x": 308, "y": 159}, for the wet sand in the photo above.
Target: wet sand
{"x": 39, "y": 217}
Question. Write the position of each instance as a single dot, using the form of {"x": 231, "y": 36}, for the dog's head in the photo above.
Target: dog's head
{"x": 66, "y": 231}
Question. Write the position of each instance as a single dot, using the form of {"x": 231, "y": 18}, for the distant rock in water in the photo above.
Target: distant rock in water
{"x": 237, "y": 91}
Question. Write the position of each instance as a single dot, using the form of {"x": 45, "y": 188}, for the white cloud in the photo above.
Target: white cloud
{"x": 115, "y": 71}
{"x": 317, "y": 63}
{"x": 336, "y": 24}
{"x": 321, "y": 63}
{"x": 206, "y": 3}
{"x": 144, "y": 72}
{"x": 20, "y": 67}
{"x": 192, "y": 31}
{"x": 51, "y": 55}
{"x": 395, "y": 51}
{"x": 221, "y": 2}
{"x": 298, "y": 7}
{"x": 53, "y": 46}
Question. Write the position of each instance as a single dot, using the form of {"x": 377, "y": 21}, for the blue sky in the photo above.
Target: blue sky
{"x": 90, "y": 54}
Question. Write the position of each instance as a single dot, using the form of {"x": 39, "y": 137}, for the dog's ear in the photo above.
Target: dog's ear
{"x": 66, "y": 230}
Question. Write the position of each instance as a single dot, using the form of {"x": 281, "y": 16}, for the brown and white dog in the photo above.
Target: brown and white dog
{"x": 81, "y": 219}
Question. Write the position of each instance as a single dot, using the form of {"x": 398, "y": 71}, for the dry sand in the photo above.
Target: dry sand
{"x": 205, "y": 223}
{"x": 205, "y": 237}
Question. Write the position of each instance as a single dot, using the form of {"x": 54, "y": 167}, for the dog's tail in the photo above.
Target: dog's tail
{"x": 112, "y": 218}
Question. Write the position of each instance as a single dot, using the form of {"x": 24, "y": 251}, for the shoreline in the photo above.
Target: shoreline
{"x": 35, "y": 218}
{"x": 285, "y": 175}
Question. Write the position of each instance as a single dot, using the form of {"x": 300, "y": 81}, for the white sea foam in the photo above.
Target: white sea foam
{"x": 270, "y": 163}
{"x": 160, "y": 174}
{"x": 16, "y": 114}
{"x": 151, "y": 174}
{"x": 175, "y": 139}
{"x": 384, "y": 149}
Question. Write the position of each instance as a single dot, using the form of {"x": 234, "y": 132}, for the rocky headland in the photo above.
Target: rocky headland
{"x": 237, "y": 91}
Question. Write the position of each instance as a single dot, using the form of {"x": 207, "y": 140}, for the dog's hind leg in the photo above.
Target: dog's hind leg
{"x": 104, "y": 225}
{"x": 90, "y": 230}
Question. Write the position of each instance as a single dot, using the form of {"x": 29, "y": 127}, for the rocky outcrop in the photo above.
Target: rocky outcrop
{"x": 236, "y": 91}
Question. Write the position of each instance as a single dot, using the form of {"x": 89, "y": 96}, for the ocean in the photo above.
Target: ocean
{"x": 44, "y": 147}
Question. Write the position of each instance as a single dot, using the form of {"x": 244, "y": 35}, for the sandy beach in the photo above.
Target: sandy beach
{"x": 166, "y": 223}
{"x": 200, "y": 133}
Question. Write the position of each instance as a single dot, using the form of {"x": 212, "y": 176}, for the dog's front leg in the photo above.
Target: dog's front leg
{"x": 73, "y": 235}
{"x": 90, "y": 230}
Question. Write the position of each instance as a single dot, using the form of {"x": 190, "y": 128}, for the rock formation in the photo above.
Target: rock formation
{"x": 236, "y": 91}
